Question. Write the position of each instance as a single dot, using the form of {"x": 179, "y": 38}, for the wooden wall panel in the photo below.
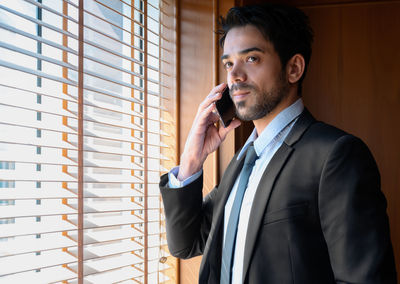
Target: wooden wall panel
{"x": 353, "y": 83}
{"x": 196, "y": 80}
{"x": 316, "y": 3}
{"x": 196, "y": 76}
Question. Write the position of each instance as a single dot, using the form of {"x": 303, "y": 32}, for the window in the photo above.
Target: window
{"x": 87, "y": 120}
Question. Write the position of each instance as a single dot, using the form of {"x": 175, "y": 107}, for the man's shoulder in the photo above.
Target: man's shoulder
{"x": 307, "y": 130}
{"x": 323, "y": 135}
{"x": 325, "y": 131}
{"x": 321, "y": 141}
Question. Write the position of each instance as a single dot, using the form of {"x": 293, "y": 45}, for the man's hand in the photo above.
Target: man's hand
{"x": 204, "y": 137}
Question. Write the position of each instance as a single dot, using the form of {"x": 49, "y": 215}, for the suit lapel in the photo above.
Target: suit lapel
{"x": 267, "y": 182}
{"x": 261, "y": 200}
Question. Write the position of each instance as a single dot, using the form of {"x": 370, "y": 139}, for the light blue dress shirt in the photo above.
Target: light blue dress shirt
{"x": 265, "y": 146}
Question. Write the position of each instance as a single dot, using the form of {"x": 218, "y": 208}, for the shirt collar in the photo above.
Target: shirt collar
{"x": 273, "y": 129}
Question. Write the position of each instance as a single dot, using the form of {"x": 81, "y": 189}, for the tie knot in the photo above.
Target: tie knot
{"x": 251, "y": 155}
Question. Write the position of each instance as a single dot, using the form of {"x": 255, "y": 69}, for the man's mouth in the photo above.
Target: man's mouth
{"x": 240, "y": 95}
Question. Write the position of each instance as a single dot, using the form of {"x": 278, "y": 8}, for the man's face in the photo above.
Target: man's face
{"x": 254, "y": 73}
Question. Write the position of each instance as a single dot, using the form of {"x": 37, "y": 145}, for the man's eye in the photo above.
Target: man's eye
{"x": 227, "y": 65}
{"x": 252, "y": 59}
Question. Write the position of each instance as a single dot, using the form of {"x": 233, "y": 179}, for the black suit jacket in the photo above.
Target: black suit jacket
{"x": 318, "y": 216}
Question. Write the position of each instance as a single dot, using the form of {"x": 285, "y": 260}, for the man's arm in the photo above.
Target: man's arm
{"x": 188, "y": 218}
{"x": 353, "y": 215}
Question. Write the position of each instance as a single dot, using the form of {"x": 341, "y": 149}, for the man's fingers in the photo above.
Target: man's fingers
{"x": 213, "y": 96}
{"x": 205, "y": 114}
{"x": 204, "y": 117}
{"x": 224, "y": 131}
{"x": 214, "y": 117}
{"x": 217, "y": 89}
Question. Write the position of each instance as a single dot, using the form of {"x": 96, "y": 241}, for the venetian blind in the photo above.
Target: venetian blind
{"x": 86, "y": 128}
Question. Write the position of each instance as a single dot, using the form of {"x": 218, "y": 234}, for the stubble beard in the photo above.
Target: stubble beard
{"x": 266, "y": 101}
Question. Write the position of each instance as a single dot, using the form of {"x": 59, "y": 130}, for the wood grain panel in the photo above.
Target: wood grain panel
{"x": 353, "y": 84}
{"x": 196, "y": 72}
{"x": 319, "y": 3}
{"x": 196, "y": 80}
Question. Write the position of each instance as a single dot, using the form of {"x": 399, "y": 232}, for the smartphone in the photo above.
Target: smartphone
{"x": 225, "y": 108}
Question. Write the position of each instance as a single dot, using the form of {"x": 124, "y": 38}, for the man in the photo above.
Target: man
{"x": 301, "y": 201}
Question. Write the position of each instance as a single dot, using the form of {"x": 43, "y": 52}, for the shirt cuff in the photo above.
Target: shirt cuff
{"x": 173, "y": 181}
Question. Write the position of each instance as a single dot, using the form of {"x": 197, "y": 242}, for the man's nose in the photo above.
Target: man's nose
{"x": 237, "y": 74}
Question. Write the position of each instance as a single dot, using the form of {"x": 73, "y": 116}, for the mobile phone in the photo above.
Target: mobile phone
{"x": 225, "y": 108}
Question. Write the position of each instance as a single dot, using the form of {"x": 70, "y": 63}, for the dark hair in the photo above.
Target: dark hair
{"x": 286, "y": 27}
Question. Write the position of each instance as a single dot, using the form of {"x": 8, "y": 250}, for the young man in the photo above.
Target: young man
{"x": 301, "y": 201}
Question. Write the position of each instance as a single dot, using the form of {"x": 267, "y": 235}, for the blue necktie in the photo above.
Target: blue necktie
{"x": 230, "y": 238}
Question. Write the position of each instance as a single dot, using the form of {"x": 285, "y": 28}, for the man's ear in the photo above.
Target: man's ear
{"x": 295, "y": 68}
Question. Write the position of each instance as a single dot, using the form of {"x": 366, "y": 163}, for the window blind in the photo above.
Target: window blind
{"x": 87, "y": 125}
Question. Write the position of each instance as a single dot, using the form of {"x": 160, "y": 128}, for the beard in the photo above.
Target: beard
{"x": 266, "y": 101}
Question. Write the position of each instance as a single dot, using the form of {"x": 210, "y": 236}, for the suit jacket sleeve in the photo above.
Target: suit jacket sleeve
{"x": 188, "y": 217}
{"x": 353, "y": 216}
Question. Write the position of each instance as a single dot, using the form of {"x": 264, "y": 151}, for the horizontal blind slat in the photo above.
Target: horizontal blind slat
{"x": 62, "y": 242}
{"x": 127, "y": 262}
{"x": 24, "y": 264}
{"x": 10, "y": 230}
{"x": 25, "y": 246}
{"x": 39, "y": 108}
{"x": 12, "y": 194}
{"x": 44, "y": 7}
{"x": 71, "y": 98}
{"x": 37, "y": 38}
{"x": 37, "y": 73}
{"x": 52, "y": 241}
{"x": 112, "y": 80}
{"x": 38, "y": 56}
{"x": 14, "y": 211}
{"x": 39, "y": 91}
{"x": 94, "y": 30}
{"x": 39, "y": 22}
{"x": 107, "y": 138}
{"x": 89, "y": 165}
{"x": 108, "y": 265}
{"x": 98, "y": 60}
{"x": 68, "y": 146}
{"x": 48, "y": 275}
{"x": 114, "y": 25}
{"x": 140, "y": 11}
{"x": 108, "y": 50}
{"x": 122, "y": 15}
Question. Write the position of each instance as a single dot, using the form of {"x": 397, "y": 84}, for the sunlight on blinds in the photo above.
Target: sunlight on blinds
{"x": 87, "y": 108}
